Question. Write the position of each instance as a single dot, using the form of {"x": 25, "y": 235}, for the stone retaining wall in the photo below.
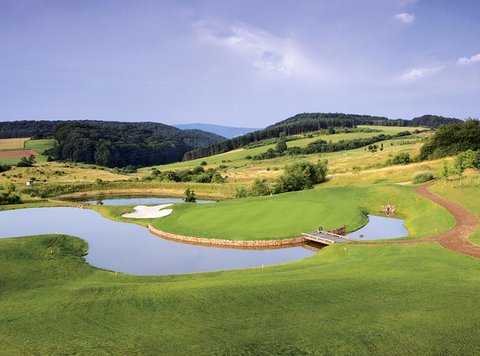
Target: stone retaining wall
{"x": 229, "y": 243}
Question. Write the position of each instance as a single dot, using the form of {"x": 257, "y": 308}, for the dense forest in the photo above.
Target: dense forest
{"x": 24, "y": 128}
{"x": 452, "y": 139}
{"x": 120, "y": 144}
{"x": 308, "y": 122}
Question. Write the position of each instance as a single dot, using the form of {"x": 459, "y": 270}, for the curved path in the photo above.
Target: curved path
{"x": 455, "y": 239}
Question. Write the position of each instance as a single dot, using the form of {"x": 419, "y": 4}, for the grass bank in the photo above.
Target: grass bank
{"x": 409, "y": 299}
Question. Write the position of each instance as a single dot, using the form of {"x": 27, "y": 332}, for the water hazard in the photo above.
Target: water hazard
{"x": 131, "y": 248}
{"x": 380, "y": 227}
{"x": 138, "y": 201}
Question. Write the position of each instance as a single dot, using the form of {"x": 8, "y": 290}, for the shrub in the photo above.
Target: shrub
{"x": 217, "y": 178}
{"x": 189, "y": 196}
{"x": 402, "y": 158}
{"x": 203, "y": 163}
{"x": 241, "y": 192}
{"x": 4, "y": 168}
{"x": 259, "y": 187}
{"x": 422, "y": 177}
{"x": 9, "y": 198}
{"x": 26, "y": 162}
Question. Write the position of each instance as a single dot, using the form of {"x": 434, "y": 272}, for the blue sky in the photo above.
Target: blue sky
{"x": 241, "y": 63}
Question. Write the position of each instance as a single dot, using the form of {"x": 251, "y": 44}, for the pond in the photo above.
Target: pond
{"x": 138, "y": 201}
{"x": 380, "y": 227}
{"x": 131, "y": 248}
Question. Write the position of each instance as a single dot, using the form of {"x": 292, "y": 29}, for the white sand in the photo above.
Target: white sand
{"x": 149, "y": 212}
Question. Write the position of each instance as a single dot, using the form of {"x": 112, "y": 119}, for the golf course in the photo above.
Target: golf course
{"x": 416, "y": 294}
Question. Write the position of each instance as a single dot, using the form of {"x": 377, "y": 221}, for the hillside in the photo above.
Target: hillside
{"x": 119, "y": 144}
{"x": 308, "y": 122}
{"x": 225, "y": 131}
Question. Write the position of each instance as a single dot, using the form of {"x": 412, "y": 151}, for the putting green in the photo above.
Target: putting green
{"x": 288, "y": 215}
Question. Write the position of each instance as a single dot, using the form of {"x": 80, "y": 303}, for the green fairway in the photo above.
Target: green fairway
{"x": 290, "y": 214}
{"x": 410, "y": 299}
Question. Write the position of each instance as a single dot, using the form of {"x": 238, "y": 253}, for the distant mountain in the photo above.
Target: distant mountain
{"x": 307, "y": 122}
{"x": 225, "y": 131}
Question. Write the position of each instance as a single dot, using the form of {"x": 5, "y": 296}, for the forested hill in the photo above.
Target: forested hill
{"x": 28, "y": 128}
{"x": 119, "y": 144}
{"x": 433, "y": 121}
{"x": 307, "y": 122}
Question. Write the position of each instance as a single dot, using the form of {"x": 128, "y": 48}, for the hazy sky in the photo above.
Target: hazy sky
{"x": 243, "y": 63}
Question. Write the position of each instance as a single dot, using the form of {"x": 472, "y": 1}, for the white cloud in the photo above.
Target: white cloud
{"x": 415, "y": 74}
{"x": 405, "y": 17}
{"x": 261, "y": 49}
{"x": 467, "y": 60}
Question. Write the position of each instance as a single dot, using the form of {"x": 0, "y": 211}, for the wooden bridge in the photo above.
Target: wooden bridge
{"x": 325, "y": 237}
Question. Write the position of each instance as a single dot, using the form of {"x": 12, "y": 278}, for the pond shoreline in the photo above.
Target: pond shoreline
{"x": 241, "y": 244}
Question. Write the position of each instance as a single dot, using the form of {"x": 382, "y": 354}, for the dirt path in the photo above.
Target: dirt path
{"x": 455, "y": 239}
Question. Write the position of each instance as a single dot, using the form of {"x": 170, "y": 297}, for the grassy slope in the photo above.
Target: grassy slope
{"x": 288, "y": 215}
{"x": 415, "y": 299}
{"x": 240, "y": 154}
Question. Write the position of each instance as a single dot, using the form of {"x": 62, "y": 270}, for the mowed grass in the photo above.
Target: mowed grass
{"x": 12, "y": 143}
{"x": 288, "y": 215}
{"x": 360, "y": 300}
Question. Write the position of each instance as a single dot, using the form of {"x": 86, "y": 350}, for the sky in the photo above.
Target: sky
{"x": 237, "y": 63}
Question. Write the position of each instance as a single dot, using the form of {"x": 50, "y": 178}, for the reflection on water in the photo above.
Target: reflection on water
{"x": 131, "y": 248}
{"x": 139, "y": 201}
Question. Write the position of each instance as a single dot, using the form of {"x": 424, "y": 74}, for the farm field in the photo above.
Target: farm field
{"x": 23, "y": 147}
{"x": 12, "y": 143}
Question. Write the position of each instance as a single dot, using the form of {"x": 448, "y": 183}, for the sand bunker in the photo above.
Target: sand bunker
{"x": 149, "y": 212}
